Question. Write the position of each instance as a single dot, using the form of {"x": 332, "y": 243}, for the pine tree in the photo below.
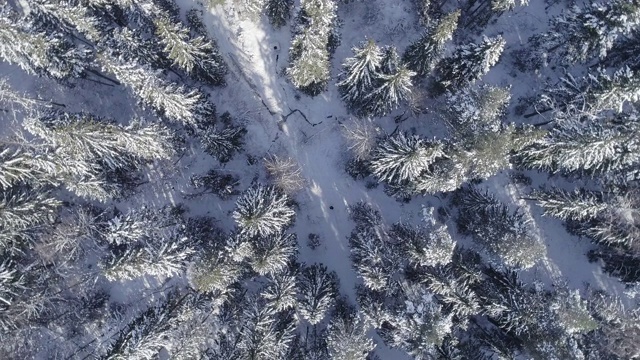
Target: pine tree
{"x": 360, "y": 73}
{"x": 278, "y": 12}
{"x": 309, "y": 54}
{"x": 392, "y": 89}
{"x": 174, "y": 102}
{"x": 454, "y": 292}
{"x": 419, "y": 324}
{"x": 281, "y": 292}
{"x": 503, "y": 233}
{"x": 506, "y": 5}
{"x": 403, "y": 157}
{"x": 22, "y": 208}
{"x": 36, "y": 53}
{"x": 470, "y": 62}
{"x": 214, "y": 272}
{"x": 271, "y": 254}
{"x": 263, "y": 335}
{"x": 214, "y": 182}
{"x": 625, "y": 52}
{"x": 592, "y": 147}
{"x": 197, "y": 56}
{"x": 424, "y": 247}
{"x": 348, "y": 340}
{"x": 590, "y": 31}
{"x": 222, "y": 144}
{"x": 317, "y": 288}
{"x": 147, "y": 258}
{"x": 147, "y": 333}
{"x": 83, "y": 137}
{"x": 473, "y": 111}
{"x": 576, "y": 205}
{"x": 423, "y": 55}
{"x": 361, "y": 137}
{"x": 262, "y": 210}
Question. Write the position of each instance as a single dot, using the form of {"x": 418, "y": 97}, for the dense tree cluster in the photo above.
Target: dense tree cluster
{"x": 136, "y": 223}
{"x": 312, "y": 45}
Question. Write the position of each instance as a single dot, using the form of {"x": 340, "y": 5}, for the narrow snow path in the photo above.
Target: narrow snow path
{"x": 255, "y": 57}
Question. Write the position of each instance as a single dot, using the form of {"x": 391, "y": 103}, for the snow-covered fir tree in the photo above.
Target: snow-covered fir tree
{"x": 454, "y": 292}
{"x": 14, "y": 100}
{"x": 575, "y": 205}
{"x": 371, "y": 248}
{"x": 309, "y": 54}
{"x": 278, "y": 12}
{"x": 470, "y": 62}
{"x": 425, "y": 247}
{"x": 36, "y": 53}
{"x": 132, "y": 46}
{"x": 573, "y": 312}
{"x": 184, "y": 52}
{"x": 403, "y": 157}
{"x": 147, "y": 258}
{"x": 590, "y": 96}
{"x": 480, "y": 157}
{"x": 263, "y": 334}
{"x": 361, "y": 136}
{"x": 423, "y": 55}
{"x": 147, "y": 333}
{"x": 175, "y": 102}
{"x": 22, "y": 208}
{"x": 506, "y": 5}
{"x": 224, "y": 143}
{"x": 372, "y": 258}
{"x": 317, "y": 289}
{"x": 284, "y": 173}
{"x": 214, "y": 271}
{"x": 138, "y": 225}
{"x": 501, "y": 232}
{"x": 11, "y": 285}
{"x": 360, "y": 73}
{"x": 348, "y": 340}
{"x": 391, "y": 90}
{"x": 263, "y": 210}
{"x": 281, "y": 293}
{"x": 472, "y": 110}
{"x": 272, "y": 253}
{"x": 197, "y": 56}
{"x": 83, "y": 137}
{"x": 64, "y": 17}
{"x": 606, "y": 217}
{"x": 419, "y": 325}
{"x": 583, "y": 33}
{"x": 594, "y": 147}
